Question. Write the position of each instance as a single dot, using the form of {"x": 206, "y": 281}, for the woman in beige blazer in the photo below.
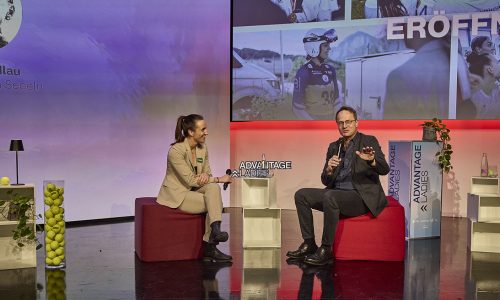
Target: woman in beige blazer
{"x": 190, "y": 186}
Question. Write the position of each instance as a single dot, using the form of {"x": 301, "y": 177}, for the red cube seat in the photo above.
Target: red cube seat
{"x": 368, "y": 238}
{"x": 165, "y": 234}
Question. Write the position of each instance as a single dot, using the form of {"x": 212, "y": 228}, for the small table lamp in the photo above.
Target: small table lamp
{"x": 17, "y": 145}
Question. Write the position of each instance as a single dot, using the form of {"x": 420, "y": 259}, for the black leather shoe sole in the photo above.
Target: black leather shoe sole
{"x": 219, "y": 238}
{"x": 301, "y": 255}
{"x": 318, "y": 262}
{"x": 298, "y": 257}
{"x": 215, "y": 260}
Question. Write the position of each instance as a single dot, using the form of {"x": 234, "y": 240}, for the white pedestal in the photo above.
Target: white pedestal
{"x": 483, "y": 211}
{"x": 261, "y": 217}
{"x": 483, "y": 208}
{"x": 415, "y": 180}
{"x": 12, "y": 256}
{"x": 258, "y": 193}
{"x": 484, "y": 237}
{"x": 261, "y": 227}
{"x": 485, "y": 186}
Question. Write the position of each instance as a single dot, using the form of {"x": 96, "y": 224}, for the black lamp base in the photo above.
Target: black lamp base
{"x": 17, "y": 184}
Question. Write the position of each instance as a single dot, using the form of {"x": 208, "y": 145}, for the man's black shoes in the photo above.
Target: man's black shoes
{"x": 304, "y": 250}
{"x": 322, "y": 256}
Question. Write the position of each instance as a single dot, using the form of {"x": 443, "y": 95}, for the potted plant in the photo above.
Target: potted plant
{"x": 21, "y": 208}
{"x": 441, "y": 134}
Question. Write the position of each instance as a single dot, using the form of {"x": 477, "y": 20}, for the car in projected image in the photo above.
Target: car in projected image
{"x": 366, "y": 81}
{"x": 251, "y": 83}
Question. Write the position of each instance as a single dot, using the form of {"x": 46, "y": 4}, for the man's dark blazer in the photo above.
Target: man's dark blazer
{"x": 365, "y": 178}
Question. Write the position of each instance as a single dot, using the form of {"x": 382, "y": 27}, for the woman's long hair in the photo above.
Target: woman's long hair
{"x": 477, "y": 62}
{"x": 477, "y": 42}
{"x": 185, "y": 123}
{"x": 391, "y": 8}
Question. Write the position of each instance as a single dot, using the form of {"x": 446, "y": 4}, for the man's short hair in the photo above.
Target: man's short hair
{"x": 349, "y": 109}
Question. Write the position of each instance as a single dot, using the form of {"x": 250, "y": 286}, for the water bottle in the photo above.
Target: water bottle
{"x": 484, "y": 165}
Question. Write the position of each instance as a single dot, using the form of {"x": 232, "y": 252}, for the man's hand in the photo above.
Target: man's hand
{"x": 202, "y": 179}
{"x": 368, "y": 154}
{"x": 332, "y": 164}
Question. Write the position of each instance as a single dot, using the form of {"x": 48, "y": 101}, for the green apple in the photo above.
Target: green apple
{"x": 62, "y": 230}
{"x": 61, "y": 210}
{"x": 47, "y": 228}
{"x": 57, "y": 202}
{"x": 60, "y": 223}
{"x": 60, "y": 190}
{"x": 58, "y": 217}
{"x": 51, "y": 234}
{"x": 54, "y": 195}
{"x": 46, "y": 193}
{"x": 61, "y": 244}
{"x": 49, "y": 261}
{"x": 61, "y": 256}
{"x": 47, "y": 240}
{"x": 51, "y": 254}
{"x": 4, "y": 181}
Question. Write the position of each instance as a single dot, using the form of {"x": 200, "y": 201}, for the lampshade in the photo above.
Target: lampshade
{"x": 16, "y": 145}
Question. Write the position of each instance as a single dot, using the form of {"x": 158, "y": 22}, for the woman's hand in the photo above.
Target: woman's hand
{"x": 202, "y": 179}
{"x": 226, "y": 178}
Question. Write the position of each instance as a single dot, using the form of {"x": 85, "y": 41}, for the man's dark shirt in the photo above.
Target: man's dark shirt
{"x": 347, "y": 156}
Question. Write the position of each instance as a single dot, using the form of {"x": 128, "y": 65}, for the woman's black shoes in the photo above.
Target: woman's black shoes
{"x": 212, "y": 254}
{"x": 217, "y": 236}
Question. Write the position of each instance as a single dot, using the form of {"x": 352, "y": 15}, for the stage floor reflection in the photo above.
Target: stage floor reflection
{"x": 101, "y": 264}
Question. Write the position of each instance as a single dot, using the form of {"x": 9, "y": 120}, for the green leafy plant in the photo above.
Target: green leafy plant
{"x": 442, "y": 135}
{"x": 21, "y": 208}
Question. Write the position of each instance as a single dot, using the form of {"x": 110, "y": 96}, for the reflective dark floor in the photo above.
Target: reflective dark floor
{"x": 101, "y": 265}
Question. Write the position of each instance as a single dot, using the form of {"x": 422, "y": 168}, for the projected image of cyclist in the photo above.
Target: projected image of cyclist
{"x": 316, "y": 92}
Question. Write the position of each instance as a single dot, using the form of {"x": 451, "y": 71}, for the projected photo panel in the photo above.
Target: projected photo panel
{"x": 269, "y": 12}
{"x": 415, "y": 64}
{"x": 478, "y": 72}
{"x": 382, "y": 79}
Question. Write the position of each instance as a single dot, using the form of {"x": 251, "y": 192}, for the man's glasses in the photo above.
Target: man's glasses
{"x": 346, "y": 123}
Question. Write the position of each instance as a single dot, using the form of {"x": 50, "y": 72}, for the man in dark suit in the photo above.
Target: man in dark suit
{"x": 351, "y": 176}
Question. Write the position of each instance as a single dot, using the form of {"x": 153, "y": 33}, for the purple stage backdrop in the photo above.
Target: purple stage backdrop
{"x": 94, "y": 89}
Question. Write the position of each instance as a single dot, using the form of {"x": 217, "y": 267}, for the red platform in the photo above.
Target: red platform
{"x": 369, "y": 238}
{"x": 166, "y": 234}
